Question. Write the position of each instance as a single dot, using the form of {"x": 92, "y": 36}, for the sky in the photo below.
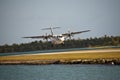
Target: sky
{"x": 21, "y": 18}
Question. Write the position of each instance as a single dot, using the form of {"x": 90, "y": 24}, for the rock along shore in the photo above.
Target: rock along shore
{"x": 115, "y": 61}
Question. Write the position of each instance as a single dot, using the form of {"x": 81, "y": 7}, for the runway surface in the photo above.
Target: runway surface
{"x": 85, "y": 51}
{"x": 88, "y": 51}
{"x": 63, "y": 51}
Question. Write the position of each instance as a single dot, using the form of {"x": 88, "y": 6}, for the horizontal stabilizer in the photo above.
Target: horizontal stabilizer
{"x": 50, "y": 28}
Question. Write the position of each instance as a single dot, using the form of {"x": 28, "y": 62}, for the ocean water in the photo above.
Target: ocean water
{"x": 60, "y": 72}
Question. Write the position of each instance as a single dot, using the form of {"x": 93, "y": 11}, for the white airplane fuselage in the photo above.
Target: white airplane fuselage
{"x": 58, "y": 39}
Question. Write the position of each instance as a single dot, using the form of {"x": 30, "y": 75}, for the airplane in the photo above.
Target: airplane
{"x": 57, "y": 39}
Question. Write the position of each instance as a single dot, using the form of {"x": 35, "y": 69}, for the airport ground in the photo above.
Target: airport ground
{"x": 99, "y": 56}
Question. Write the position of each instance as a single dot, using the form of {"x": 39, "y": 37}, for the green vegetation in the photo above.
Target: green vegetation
{"x": 79, "y": 43}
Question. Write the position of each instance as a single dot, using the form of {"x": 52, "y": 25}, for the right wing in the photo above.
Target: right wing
{"x": 73, "y": 33}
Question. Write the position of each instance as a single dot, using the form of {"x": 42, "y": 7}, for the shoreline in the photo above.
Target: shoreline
{"x": 48, "y": 62}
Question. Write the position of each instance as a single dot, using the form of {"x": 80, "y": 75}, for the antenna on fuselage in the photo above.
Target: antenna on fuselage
{"x": 50, "y": 29}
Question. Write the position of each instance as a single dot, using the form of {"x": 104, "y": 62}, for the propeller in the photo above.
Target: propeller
{"x": 46, "y": 37}
{"x": 70, "y": 35}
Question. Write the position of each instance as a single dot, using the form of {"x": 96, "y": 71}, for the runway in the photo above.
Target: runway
{"x": 75, "y": 52}
{"x": 85, "y": 51}
{"x": 64, "y": 51}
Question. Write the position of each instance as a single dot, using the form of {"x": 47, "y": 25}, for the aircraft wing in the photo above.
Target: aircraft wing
{"x": 44, "y": 37}
{"x": 73, "y": 33}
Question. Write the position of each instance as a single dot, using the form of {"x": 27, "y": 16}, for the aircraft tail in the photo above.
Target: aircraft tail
{"x": 50, "y": 29}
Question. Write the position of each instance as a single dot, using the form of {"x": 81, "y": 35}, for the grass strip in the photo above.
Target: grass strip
{"x": 66, "y": 56}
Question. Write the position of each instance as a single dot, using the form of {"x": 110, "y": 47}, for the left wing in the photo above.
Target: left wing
{"x": 44, "y": 37}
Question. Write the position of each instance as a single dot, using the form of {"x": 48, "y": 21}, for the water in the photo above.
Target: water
{"x": 59, "y": 72}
